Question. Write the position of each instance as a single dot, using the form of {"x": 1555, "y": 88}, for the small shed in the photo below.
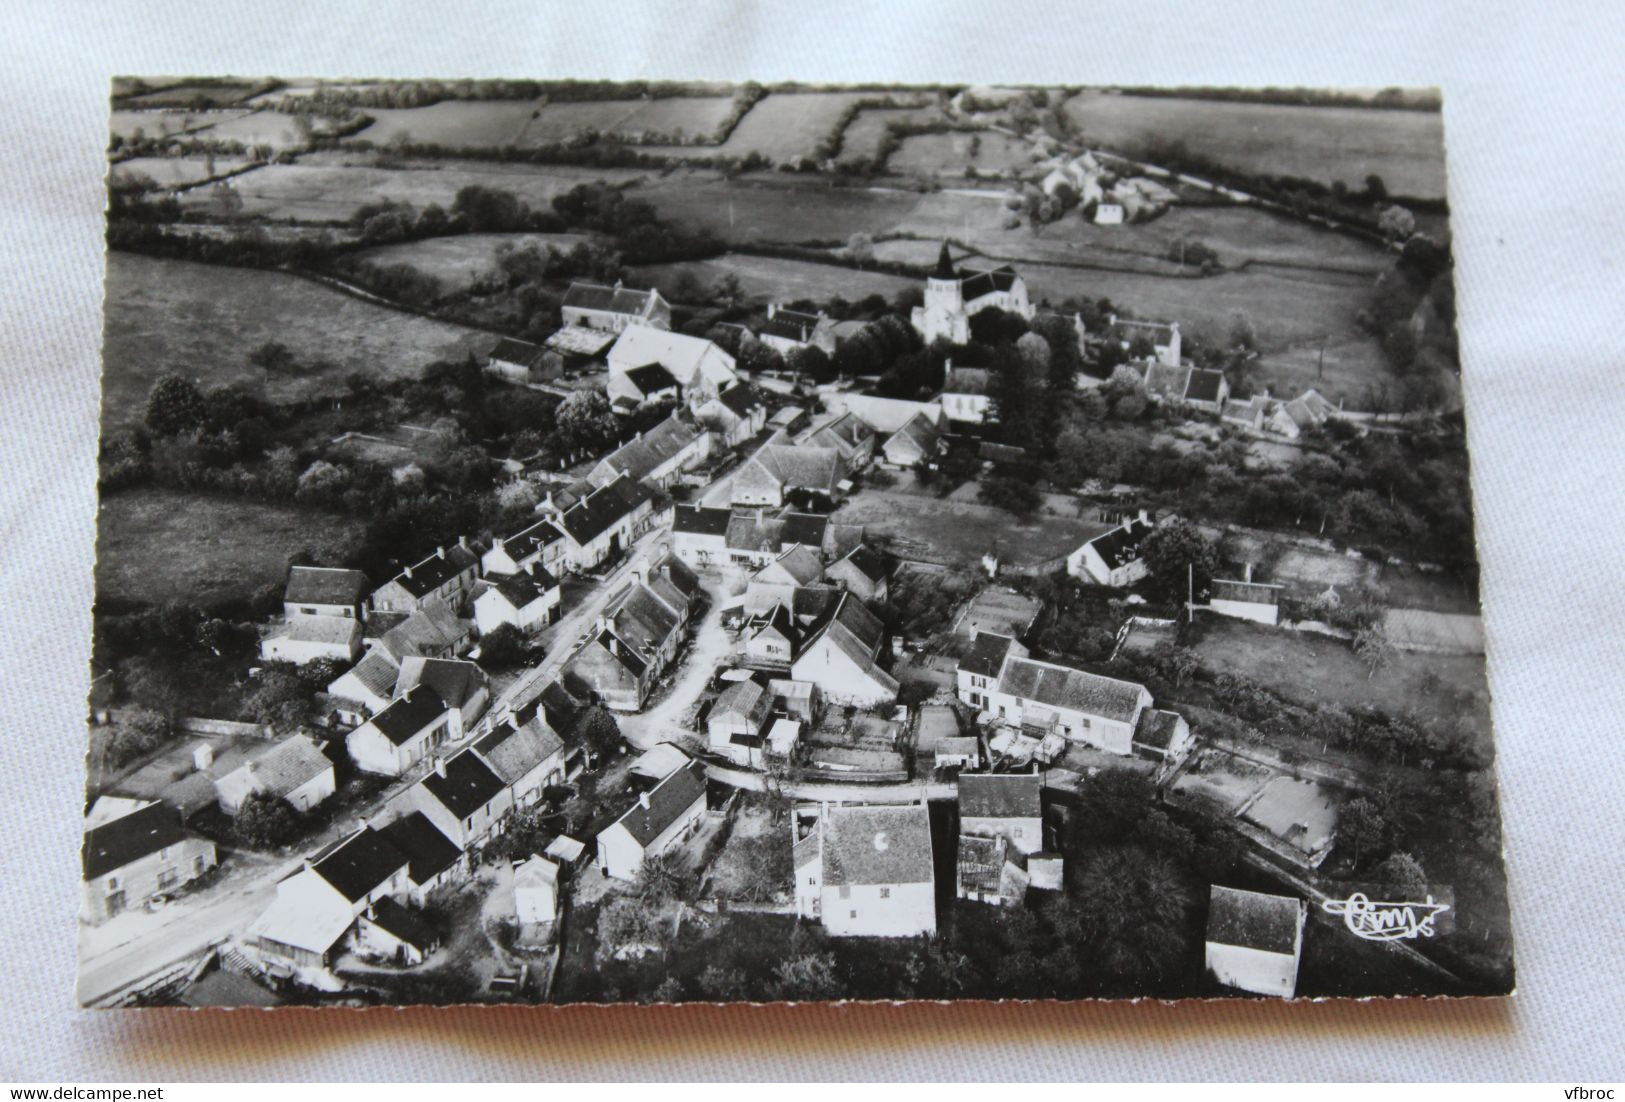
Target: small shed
{"x": 536, "y": 891}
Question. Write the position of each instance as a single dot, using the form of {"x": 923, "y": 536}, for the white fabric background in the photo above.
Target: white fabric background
{"x": 1535, "y": 131}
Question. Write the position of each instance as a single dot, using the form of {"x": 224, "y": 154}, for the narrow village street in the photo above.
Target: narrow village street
{"x": 664, "y": 721}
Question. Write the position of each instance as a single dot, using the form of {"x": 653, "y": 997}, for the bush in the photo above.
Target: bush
{"x": 266, "y": 822}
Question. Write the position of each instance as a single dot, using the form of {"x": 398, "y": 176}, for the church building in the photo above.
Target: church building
{"x": 953, "y": 295}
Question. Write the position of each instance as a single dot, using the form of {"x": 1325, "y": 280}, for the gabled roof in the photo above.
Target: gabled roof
{"x": 599, "y": 510}
{"x": 609, "y": 642}
{"x": 807, "y": 529}
{"x": 581, "y": 340}
{"x": 986, "y": 654}
{"x": 697, "y": 520}
{"x": 520, "y": 590}
{"x": 798, "y": 564}
{"x": 332, "y": 630}
{"x": 1253, "y": 920}
{"x": 404, "y": 925}
{"x": 528, "y": 541}
{"x": 974, "y": 283}
{"x": 867, "y": 562}
{"x": 877, "y": 845}
{"x": 324, "y": 585}
{"x": 609, "y": 300}
{"x": 651, "y": 379}
{"x": 145, "y": 831}
{"x": 750, "y": 532}
{"x": 434, "y": 627}
{"x": 919, "y": 431}
{"x": 454, "y": 680}
{"x": 668, "y": 800}
{"x": 967, "y": 380}
{"x": 468, "y": 784}
{"x": 428, "y": 852}
{"x": 678, "y": 353}
{"x": 741, "y": 398}
{"x": 673, "y": 582}
{"x": 508, "y": 350}
{"x": 745, "y": 701}
{"x": 1204, "y": 386}
{"x": 853, "y": 621}
{"x": 288, "y": 764}
{"x": 376, "y": 672}
{"x": 1001, "y": 796}
{"x": 356, "y": 865}
{"x": 643, "y": 620}
{"x": 791, "y": 325}
{"x": 1063, "y": 687}
{"x": 436, "y": 570}
{"x": 844, "y": 432}
{"x": 1156, "y": 728}
{"x": 1167, "y": 380}
{"x": 514, "y": 751}
{"x": 641, "y": 456}
{"x": 1121, "y": 545}
{"x": 796, "y": 466}
{"x": 406, "y": 716}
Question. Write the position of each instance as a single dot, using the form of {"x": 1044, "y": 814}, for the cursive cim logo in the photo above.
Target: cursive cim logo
{"x": 1377, "y": 920}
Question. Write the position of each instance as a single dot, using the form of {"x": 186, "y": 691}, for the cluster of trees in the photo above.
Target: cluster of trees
{"x": 633, "y": 224}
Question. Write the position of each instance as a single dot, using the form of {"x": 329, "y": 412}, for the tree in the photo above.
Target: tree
{"x": 1135, "y": 908}
{"x": 279, "y": 698}
{"x": 813, "y": 362}
{"x": 809, "y": 977}
{"x": 1372, "y": 645}
{"x": 658, "y": 879}
{"x": 723, "y": 985}
{"x": 861, "y": 248}
{"x": 1402, "y": 875}
{"x": 1179, "y": 557}
{"x": 765, "y": 861}
{"x": 266, "y": 822}
{"x": 502, "y": 648}
{"x": 669, "y": 990}
{"x": 272, "y": 358}
{"x": 585, "y": 422}
{"x": 1363, "y": 826}
{"x": 174, "y": 406}
{"x": 627, "y": 927}
{"x": 598, "y": 729}
{"x": 1017, "y": 495}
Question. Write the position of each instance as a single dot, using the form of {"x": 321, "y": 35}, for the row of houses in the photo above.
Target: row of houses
{"x": 637, "y": 638}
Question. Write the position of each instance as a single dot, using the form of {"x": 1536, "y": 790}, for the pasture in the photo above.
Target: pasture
{"x": 216, "y": 93}
{"x": 452, "y": 123}
{"x": 863, "y": 135}
{"x": 1405, "y": 148}
{"x": 261, "y": 127}
{"x": 202, "y": 321}
{"x": 331, "y": 193}
{"x": 769, "y": 208}
{"x": 458, "y": 261}
{"x": 951, "y": 153}
{"x": 771, "y": 279}
{"x": 161, "y": 124}
{"x": 782, "y": 126}
{"x": 156, "y": 545}
{"x": 174, "y": 172}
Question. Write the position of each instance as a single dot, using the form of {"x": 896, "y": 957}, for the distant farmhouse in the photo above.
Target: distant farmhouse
{"x": 788, "y": 330}
{"x": 613, "y": 309}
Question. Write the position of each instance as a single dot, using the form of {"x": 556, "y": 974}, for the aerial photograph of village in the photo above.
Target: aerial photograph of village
{"x": 566, "y": 541}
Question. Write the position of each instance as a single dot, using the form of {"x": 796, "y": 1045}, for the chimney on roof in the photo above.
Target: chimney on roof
{"x": 440, "y": 767}
{"x": 617, "y": 285}
{"x": 1247, "y": 573}
{"x": 407, "y": 572}
{"x": 202, "y": 757}
{"x": 462, "y": 541}
{"x": 498, "y": 543}
{"x": 772, "y": 310}
{"x": 643, "y": 800}
{"x": 361, "y": 824}
{"x": 441, "y": 551}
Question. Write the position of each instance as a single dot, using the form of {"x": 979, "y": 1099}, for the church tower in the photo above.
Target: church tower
{"x": 943, "y": 314}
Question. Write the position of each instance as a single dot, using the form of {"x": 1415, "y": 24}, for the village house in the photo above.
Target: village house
{"x": 796, "y": 700}
{"x": 1161, "y": 736}
{"x": 661, "y": 818}
{"x": 527, "y": 756}
{"x": 978, "y": 671}
{"x": 521, "y": 361}
{"x": 738, "y": 718}
{"x": 842, "y": 655}
{"x": 433, "y": 631}
{"x": 879, "y": 413}
{"x": 777, "y": 582}
{"x": 1292, "y": 419}
{"x": 1042, "y": 698}
{"x": 788, "y": 421}
{"x": 535, "y": 892}
{"x": 636, "y": 639}
{"x": 1162, "y": 338}
{"x": 463, "y": 797}
{"x": 699, "y": 535}
{"x": 403, "y": 733}
{"x": 1246, "y": 599}
{"x": 433, "y": 861}
{"x": 866, "y": 871}
{"x": 754, "y": 538}
{"x": 656, "y": 764}
{"x": 861, "y": 570}
{"x": 848, "y": 435}
{"x": 528, "y": 601}
{"x": 990, "y": 870}
{"x": 575, "y": 347}
{"x": 136, "y": 855}
{"x": 1005, "y": 805}
{"x": 447, "y": 575}
{"x": 307, "y": 638}
{"x": 656, "y": 457}
{"x": 960, "y": 752}
{"x": 364, "y": 689}
{"x": 294, "y": 770}
{"x": 954, "y": 295}
{"x": 603, "y": 524}
{"x": 1114, "y": 558}
{"x": 965, "y": 397}
{"x": 787, "y": 330}
{"x": 461, "y": 685}
{"x": 613, "y": 309}
{"x": 1248, "y": 414}
{"x": 699, "y": 368}
{"x": 325, "y": 591}
{"x": 637, "y": 387}
{"x": 540, "y": 544}
{"x": 779, "y": 473}
{"x": 1187, "y": 385}
{"x": 1254, "y": 940}
{"x": 913, "y": 444}
{"x": 734, "y": 416}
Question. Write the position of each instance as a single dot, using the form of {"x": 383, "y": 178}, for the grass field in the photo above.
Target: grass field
{"x": 782, "y": 126}
{"x": 331, "y": 193}
{"x": 458, "y": 261}
{"x": 171, "y": 172}
{"x": 767, "y": 279}
{"x": 179, "y": 95}
{"x": 1315, "y": 669}
{"x": 771, "y": 208}
{"x": 452, "y": 123}
{"x": 958, "y": 533}
{"x": 949, "y": 153}
{"x": 257, "y": 128}
{"x": 155, "y": 124}
{"x": 202, "y": 321}
{"x": 1405, "y": 148}
{"x": 162, "y": 545}
{"x": 863, "y": 135}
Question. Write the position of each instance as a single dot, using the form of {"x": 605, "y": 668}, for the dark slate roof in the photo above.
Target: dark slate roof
{"x": 511, "y": 351}
{"x": 1204, "y": 386}
{"x": 974, "y": 284}
{"x": 743, "y": 700}
{"x": 1121, "y": 545}
{"x": 642, "y": 455}
{"x": 1062, "y": 687}
{"x": 113, "y": 845}
{"x": 741, "y": 398}
{"x": 1252, "y": 920}
{"x": 427, "y": 851}
{"x": 667, "y": 801}
{"x": 1001, "y": 796}
{"x": 877, "y": 845}
{"x": 405, "y": 925}
{"x": 527, "y": 541}
{"x": 1156, "y": 728}
{"x": 377, "y": 672}
{"x": 469, "y": 784}
{"x": 700, "y": 521}
{"x": 791, "y": 325}
{"x": 651, "y": 378}
{"x": 594, "y": 514}
{"x": 359, "y": 863}
{"x": 455, "y": 680}
{"x": 803, "y": 528}
{"x": 412, "y": 712}
{"x": 513, "y": 751}
{"x": 614, "y": 300}
{"x": 867, "y": 561}
{"x": 436, "y": 570}
{"x": 324, "y": 585}
{"x": 986, "y": 654}
{"x": 521, "y": 589}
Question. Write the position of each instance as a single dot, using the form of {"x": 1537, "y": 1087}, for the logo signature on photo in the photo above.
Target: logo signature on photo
{"x": 1380, "y": 920}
